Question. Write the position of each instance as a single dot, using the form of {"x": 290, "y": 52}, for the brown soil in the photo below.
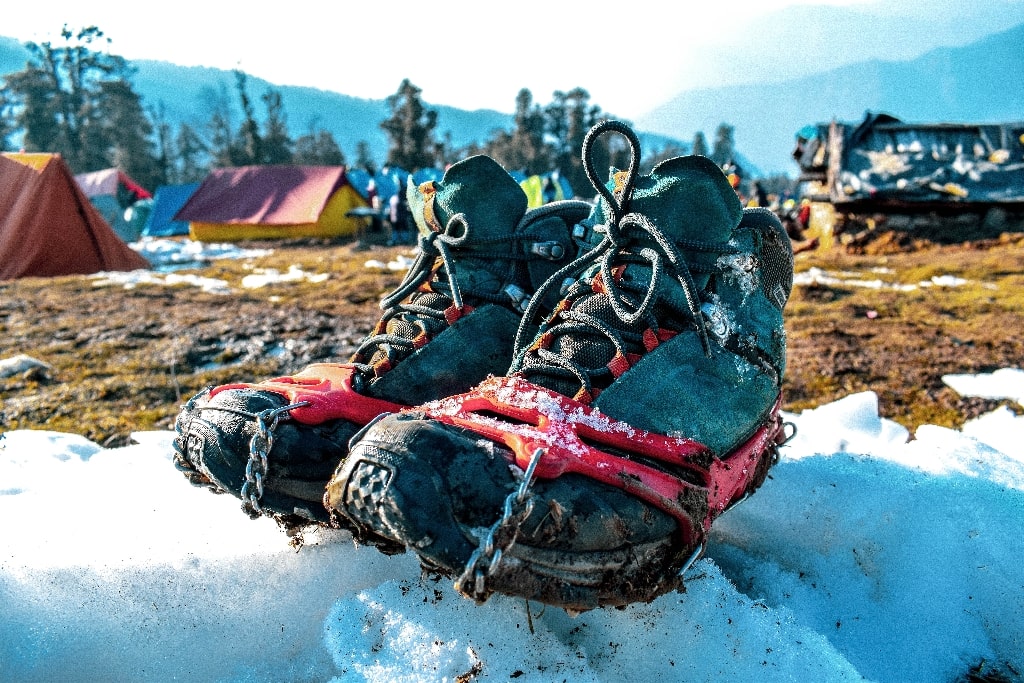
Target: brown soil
{"x": 123, "y": 360}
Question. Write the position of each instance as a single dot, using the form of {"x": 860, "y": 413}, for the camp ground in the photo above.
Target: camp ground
{"x": 167, "y": 201}
{"x": 49, "y": 227}
{"x": 112, "y": 191}
{"x": 272, "y": 202}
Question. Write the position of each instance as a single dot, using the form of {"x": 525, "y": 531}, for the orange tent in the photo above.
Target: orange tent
{"x": 48, "y": 226}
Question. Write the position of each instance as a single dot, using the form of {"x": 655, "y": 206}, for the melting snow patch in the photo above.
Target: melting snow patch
{"x": 817, "y": 276}
{"x": 267, "y": 276}
{"x": 400, "y": 262}
{"x": 169, "y": 253}
{"x": 132, "y": 279}
{"x": 1005, "y": 383}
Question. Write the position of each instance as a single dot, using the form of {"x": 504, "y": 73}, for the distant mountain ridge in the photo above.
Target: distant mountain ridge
{"x": 981, "y": 82}
{"x": 189, "y": 94}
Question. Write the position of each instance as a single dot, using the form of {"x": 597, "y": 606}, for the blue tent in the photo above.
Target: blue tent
{"x": 166, "y": 202}
{"x": 391, "y": 180}
{"x": 360, "y": 180}
{"x": 386, "y": 182}
{"x": 425, "y": 174}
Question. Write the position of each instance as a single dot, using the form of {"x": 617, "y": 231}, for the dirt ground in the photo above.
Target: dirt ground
{"x": 124, "y": 359}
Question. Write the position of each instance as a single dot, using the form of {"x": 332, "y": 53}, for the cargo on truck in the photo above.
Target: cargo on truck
{"x": 942, "y": 182}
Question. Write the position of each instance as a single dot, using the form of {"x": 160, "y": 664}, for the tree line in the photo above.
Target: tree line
{"x": 76, "y": 99}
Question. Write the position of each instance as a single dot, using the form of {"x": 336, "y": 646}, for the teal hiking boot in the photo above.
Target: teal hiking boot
{"x": 641, "y": 409}
{"x": 451, "y": 323}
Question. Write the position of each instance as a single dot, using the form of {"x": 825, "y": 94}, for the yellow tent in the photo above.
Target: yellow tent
{"x": 549, "y": 187}
{"x": 272, "y": 202}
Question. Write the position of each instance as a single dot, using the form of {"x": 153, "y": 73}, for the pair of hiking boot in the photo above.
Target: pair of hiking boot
{"x": 592, "y": 386}
{"x": 449, "y": 324}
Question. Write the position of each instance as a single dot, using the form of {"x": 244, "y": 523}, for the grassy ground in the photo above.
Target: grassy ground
{"x": 124, "y": 359}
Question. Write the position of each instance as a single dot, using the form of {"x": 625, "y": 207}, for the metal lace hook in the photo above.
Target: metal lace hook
{"x": 524, "y": 334}
{"x": 619, "y": 204}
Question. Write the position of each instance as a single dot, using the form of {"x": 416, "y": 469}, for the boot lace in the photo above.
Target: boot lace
{"x": 430, "y": 297}
{"x": 607, "y": 322}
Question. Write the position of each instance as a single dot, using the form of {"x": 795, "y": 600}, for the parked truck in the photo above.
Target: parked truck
{"x": 945, "y": 182}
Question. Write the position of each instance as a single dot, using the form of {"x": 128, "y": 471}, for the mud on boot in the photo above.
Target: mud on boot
{"x": 644, "y": 406}
{"x": 448, "y": 325}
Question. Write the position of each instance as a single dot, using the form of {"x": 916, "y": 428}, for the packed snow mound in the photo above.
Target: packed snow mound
{"x": 867, "y": 554}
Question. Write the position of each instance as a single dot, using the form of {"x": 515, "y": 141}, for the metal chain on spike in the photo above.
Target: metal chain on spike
{"x": 259, "y": 453}
{"x": 485, "y": 559}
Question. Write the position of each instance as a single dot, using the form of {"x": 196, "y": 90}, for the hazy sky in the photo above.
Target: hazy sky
{"x": 630, "y": 56}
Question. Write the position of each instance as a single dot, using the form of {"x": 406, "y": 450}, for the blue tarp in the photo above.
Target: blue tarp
{"x": 166, "y": 202}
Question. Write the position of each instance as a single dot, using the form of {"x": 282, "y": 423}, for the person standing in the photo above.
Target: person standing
{"x": 398, "y": 219}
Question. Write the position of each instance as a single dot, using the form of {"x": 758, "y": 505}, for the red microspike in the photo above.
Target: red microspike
{"x": 327, "y": 389}
{"x": 572, "y": 435}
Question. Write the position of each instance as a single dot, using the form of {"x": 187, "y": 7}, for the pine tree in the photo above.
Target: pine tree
{"x": 6, "y": 128}
{"x": 569, "y": 117}
{"x": 445, "y": 153}
{"x": 410, "y": 129}
{"x": 700, "y": 145}
{"x": 220, "y": 135}
{"x": 247, "y": 148}
{"x": 66, "y": 97}
{"x": 523, "y": 149}
{"x": 318, "y": 148}
{"x": 37, "y": 118}
{"x": 528, "y": 135}
{"x": 328, "y": 149}
{"x": 277, "y": 145}
{"x": 127, "y": 133}
{"x": 724, "y": 148}
{"x": 192, "y": 155}
{"x": 364, "y": 158}
{"x": 650, "y": 160}
{"x": 165, "y": 151}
